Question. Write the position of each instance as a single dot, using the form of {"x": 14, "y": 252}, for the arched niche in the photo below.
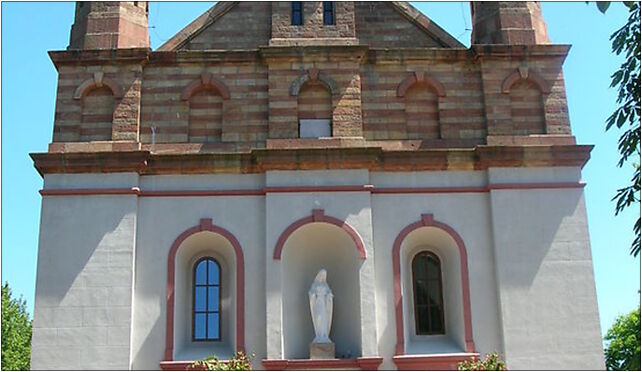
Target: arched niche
{"x": 308, "y": 249}
{"x": 204, "y": 240}
{"x": 428, "y": 235}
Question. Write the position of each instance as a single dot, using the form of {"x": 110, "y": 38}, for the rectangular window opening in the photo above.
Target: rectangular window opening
{"x": 297, "y": 13}
{"x": 328, "y": 12}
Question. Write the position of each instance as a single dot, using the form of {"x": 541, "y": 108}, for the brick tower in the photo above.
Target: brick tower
{"x": 508, "y": 22}
{"x": 110, "y": 25}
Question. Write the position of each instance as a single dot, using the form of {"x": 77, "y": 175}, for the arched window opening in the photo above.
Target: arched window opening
{"x": 422, "y": 112}
{"x": 206, "y": 313}
{"x": 314, "y": 110}
{"x": 428, "y": 296}
{"x": 97, "y": 115}
{"x": 527, "y": 108}
{"x": 205, "y": 116}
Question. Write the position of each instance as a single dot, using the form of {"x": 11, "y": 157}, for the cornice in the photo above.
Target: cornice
{"x": 262, "y": 160}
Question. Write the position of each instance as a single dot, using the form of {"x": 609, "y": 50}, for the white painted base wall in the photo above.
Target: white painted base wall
{"x": 532, "y": 291}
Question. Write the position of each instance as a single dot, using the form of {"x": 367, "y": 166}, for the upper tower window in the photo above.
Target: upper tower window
{"x": 297, "y": 13}
{"x": 328, "y": 13}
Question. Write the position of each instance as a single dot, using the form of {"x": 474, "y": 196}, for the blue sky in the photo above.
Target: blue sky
{"x": 29, "y": 30}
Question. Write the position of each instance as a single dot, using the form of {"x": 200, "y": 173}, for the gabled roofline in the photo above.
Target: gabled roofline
{"x": 197, "y": 26}
{"x": 426, "y": 24}
{"x": 217, "y": 11}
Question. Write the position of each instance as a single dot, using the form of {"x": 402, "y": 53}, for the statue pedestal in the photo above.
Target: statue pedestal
{"x": 322, "y": 350}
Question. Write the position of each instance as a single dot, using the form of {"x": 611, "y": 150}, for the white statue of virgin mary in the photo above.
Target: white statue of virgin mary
{"x": 321, "y": 308}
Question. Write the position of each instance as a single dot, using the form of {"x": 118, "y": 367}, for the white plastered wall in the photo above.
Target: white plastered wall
{"x": 82, "y": 312}
{"x": 545, "y": 272}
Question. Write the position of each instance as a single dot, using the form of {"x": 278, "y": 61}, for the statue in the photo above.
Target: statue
{"x": 321, "y": 308}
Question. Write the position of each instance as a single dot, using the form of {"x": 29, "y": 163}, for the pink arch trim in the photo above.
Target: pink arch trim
{"x": 318, "y": 215}
{"x": 427, "y": 220}
{"x": 525, "y": 74}
{"x": 97, "y": 82}
{"x": 206, "y": 80}
{"x": 420, "y": 77}
{"x": 205, "y": 225}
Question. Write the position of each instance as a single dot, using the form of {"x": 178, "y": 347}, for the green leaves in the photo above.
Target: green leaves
{"x": 627, "y": 116}
{"x": 16, "y": 332}
{"x": 492, "y": 362}
{"x": 623, "y": 349}
{"x": 603, "y": 5}
{"x": 240, "y": 362}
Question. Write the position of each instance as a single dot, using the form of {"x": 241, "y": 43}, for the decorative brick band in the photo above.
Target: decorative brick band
{"x": 525, "y": 73}
{"x": 427, "y": 220}
{"x": 97, "y": 81}
{"x": 204, "y": 225}
{"x": 206, "y": 80}
{"x": 421, "y": 78}
{"x": 318, "y": 215}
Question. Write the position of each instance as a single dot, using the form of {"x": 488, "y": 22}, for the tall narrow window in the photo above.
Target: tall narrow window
{"x": 206, "y": 314}
{"x": 297, "y": 13}
{"x": 328, "y": 12}
{"x": 429, "y": 308}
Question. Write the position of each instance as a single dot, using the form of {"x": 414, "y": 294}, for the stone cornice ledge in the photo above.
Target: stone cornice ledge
{"x": 442, "y": 362}
{"x": 262, "y": 160}
{"x": 99, "y": 56}
{"x": 519, "y": 51}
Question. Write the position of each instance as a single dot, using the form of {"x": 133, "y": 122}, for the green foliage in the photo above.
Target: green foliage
{"x": 623, "y": 350}
{"x": 492, "y": 362}
{"x": 627, "y": 116}
{"x": 16, "y": 332}
{"x": 239, "y": 362}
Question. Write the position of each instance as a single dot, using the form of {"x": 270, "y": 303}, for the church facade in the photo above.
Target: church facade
{"x": 192, "y": 193}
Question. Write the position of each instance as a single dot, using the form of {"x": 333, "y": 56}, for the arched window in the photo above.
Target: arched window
{"x": 315, "y": 110}
{"x": 205, "y": 115}
{"x": 206, "y": 310}
{"x": 429, "y": 304}
{"x": 422, "y": 112}
{"x": 527, "y": 108}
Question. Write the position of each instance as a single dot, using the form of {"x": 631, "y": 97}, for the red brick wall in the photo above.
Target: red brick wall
{"x": 314, "y": 101}
{"x": 379, "y": 25}
{"x": 97, "y": 115}
{"x": 527, "y": 111}
{"x": 205, "y": 116}
{"x": 422, "y": 113}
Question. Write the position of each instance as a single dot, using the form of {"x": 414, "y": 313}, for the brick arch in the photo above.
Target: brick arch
{"x": 206, "y": 80}
{"x": 97, "y": 81}
{"x": 427, "y": 220}
{"x": 313, "y": 75}
{"x": 421, "y": 77}
{"x": 525, "y": 73}
{"x": 318, "y": 215}
{"x": 205, "y": 225}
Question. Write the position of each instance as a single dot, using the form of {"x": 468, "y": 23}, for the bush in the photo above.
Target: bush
{"x": 492, "y": 362}
{"x": 239, "y": 362}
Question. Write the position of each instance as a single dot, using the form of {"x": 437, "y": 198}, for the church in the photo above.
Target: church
{"x": 322, "y": 185}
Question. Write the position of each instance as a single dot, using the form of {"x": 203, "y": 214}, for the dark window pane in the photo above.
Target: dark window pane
{"x": 434, "y": 293}
{"x": 435, "y": 320}
{"x": 199, "y": 326}
{"x": 422, "y": 320}
{"x": 433, "y": 267}
{"x": 328, "y": 13}
{"x": 199, "y": 298}
{"x": 419, "y": 267}
{"x": 201, "y": 272}
{"x": 212, "y": 299}
{"x": 212, "y": 273}
{"x": 212, "y": 326}
{"x": 297, "y": 13}
{"x": 421, "y": 292}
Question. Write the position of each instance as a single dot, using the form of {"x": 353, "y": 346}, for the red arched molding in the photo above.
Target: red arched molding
{"x": 524, "y": 73}
{"x": 205, "y": 225}
{"x": 97, "y": 81}
{"x": 427, "y": 220}
{"x": 421, "y": 77}
{"x": 319, "y": 216}
{"x": 206, "y": 80}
